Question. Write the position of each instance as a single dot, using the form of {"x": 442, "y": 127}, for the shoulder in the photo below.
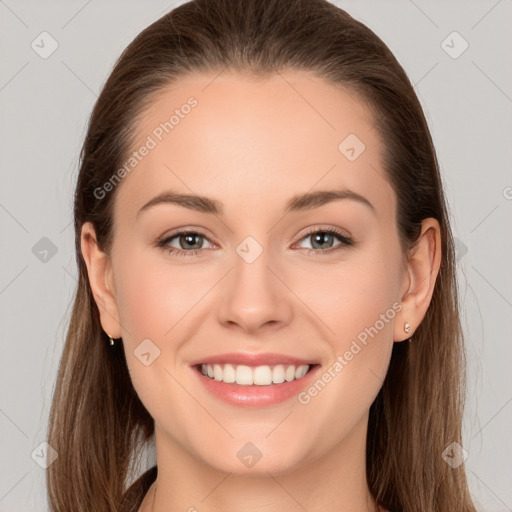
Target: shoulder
{"x": 134, "y": 495}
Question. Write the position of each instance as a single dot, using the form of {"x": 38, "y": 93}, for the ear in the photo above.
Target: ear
{"x": 99, "y": 270}
{"x": 422, "y": 268}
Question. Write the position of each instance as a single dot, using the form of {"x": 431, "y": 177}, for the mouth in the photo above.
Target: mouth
{"x": 264, "y": 375}
{"x": 254, "y": 379}
{"x": 254, "y": 386}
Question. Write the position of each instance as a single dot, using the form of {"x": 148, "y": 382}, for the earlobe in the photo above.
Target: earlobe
{"x": 99, "y": 270}
{"x": 423, "y": 265}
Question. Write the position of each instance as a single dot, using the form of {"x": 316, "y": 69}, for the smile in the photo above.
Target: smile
{"x": 259, "y": 375}
{"x": 255, "y": 386}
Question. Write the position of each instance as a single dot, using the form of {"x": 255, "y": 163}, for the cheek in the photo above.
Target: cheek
{"x": 154, "y": 295}
{"x": 140, "y": 301}
{"x": 361, "y": 312}
{"x": 351, "y": 297}
{"x": 368, "y": 301}
{"x": 153, "y": 298}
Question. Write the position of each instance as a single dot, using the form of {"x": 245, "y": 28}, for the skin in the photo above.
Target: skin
{"x": 253, "y": 144}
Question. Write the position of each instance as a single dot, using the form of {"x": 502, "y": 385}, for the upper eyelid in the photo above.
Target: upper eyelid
{"x": 185, "y": 231}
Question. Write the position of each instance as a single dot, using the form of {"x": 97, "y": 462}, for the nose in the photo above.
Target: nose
{"x": 254, "y": 296}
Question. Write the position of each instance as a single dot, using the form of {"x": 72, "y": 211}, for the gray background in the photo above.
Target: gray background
{"x": 45, "y": 107}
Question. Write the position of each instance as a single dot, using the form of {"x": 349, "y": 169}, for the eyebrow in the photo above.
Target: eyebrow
{"x": 299, "y": 202}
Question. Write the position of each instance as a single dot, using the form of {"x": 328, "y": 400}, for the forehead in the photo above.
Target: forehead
{"x": 247, "y": 140}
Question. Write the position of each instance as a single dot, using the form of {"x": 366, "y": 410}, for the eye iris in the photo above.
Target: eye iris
{"x": 189, "y": 239}
{"x": 319, "y": 238}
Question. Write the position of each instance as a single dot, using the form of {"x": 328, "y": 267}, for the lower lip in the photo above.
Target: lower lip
{"x": 256, "y": 396}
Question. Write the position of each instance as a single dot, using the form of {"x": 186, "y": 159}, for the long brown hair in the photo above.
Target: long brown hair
{"x": 97, "y": 423}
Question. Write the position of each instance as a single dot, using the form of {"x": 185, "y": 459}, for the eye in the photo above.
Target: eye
{"x": 323, "y": 239}
{"x": 189, "y": 243}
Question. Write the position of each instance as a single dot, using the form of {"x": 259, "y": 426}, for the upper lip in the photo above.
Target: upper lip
{"x": 267, "y": 359}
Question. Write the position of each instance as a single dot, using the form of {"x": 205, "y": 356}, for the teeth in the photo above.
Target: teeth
{"x": 278, "y": 374}
{"x": 217, "y": 372}
{"x": 244, "y": 376}
{"x": 259, "y": 375}
{"x": 228, "y": 373}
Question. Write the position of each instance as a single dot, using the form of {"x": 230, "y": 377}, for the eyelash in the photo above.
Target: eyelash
{"x": 345, "y": 242}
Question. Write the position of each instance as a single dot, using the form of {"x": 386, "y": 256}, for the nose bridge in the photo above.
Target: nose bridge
{"x": 253, "y": 296}
{"x": 250, "y": 249}
{"x": 251, "y": 275}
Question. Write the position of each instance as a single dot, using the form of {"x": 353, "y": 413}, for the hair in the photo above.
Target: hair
{"x": 97, "y": 422}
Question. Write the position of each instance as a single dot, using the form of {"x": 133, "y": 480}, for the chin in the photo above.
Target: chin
{"x": 246, "y": 458}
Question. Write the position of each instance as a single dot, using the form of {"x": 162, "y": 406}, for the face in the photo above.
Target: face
{"x": 271, "y": 272}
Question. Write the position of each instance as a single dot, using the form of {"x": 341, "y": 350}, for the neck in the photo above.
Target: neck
{"x": 334, "y": 482}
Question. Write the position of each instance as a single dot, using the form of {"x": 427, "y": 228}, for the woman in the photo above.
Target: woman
{"x": 232, "y": 140}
